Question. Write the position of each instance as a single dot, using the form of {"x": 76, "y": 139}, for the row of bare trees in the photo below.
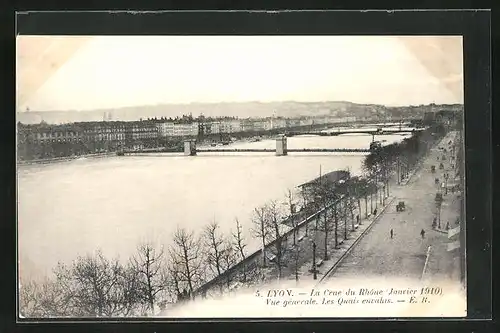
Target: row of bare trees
{"x": 400, "y": 157}
{"x": 333, "y": 204}
{"x": 95, "y": 286}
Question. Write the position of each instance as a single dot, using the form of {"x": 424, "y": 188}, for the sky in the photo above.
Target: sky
{"x": 85, "y": 73}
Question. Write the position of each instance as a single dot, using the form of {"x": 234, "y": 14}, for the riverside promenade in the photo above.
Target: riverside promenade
{"x": 368, "y": 248}
{"x": 376, "y": 254}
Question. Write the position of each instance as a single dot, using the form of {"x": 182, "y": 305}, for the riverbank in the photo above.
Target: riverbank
{"x": 409, "y": 253}
{"x": 64, "y": 159}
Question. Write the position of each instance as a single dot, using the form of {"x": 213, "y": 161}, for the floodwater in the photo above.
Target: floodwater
{"x": 73, "y": 208}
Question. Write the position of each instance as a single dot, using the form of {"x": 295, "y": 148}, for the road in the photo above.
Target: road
{"x": 405, "y": 254}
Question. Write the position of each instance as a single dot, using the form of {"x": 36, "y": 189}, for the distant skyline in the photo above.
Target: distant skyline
{"x": 88, "y": 73}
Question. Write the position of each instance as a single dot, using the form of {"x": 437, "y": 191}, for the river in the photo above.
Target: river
{"x": 72, "y": 208}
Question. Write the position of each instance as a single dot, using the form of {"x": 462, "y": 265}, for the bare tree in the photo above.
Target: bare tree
{"x": 296, "y": 256}
{"x": 363, "y": 190}
{"x": 239, "y": 241}
{"x": 326, "y": 225}
{"x": 174, "y": 285}
{"x": 130, "y": 282}
{"x": 305, "y": 209}
{"x": 239, "y": 245}
{"x": 229, "y": 258}
{"x": 344, "y": 204}
{"x": 186, "y": 255}
{"x": 351, "y": 205}
{"x": 41, "y": 299}
{"x": 260, "y": 229}
{"x": 95, "y": 286}
{"x": 214, "y": 244}
{"x": 148, "y": 264}
{"x": 273, "y": 223}
{"x": 326, "y": 195}
{"x": 336, "y": 222}
{"x": 290, "y": 202}
{"x": 357, "y": 191}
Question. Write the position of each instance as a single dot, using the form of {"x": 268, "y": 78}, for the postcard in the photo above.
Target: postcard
{"x": 241, "y": 176}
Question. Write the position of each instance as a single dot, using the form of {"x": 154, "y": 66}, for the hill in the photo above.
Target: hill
{"x": 241, "y": 110}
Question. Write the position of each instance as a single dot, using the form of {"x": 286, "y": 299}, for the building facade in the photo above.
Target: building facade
{"x": 170, "y": 129}
{"x": 141, "y": 135}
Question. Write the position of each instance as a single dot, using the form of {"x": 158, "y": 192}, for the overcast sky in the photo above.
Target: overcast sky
{"x": 82, "y": 73}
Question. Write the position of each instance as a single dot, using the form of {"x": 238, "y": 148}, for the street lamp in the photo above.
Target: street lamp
{"x": 446, "y": 175}
{"x": 345, "y": 219}
{"x": 439, "y": 215}
{"x": 439, "y": 200}
{"x": 315, "y": 271}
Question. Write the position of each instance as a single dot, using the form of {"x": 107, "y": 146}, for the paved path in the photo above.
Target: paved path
{"x": 405, "y": 254}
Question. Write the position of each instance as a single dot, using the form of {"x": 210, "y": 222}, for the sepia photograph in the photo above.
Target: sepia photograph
{"x": 240, "y": 176}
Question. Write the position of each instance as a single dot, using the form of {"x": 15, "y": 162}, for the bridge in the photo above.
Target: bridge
{"x": 238, "y": 150}
{"x": 190, "y": 149}
{"x": 281, "y": 149}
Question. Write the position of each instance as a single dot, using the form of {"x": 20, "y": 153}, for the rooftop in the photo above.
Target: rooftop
{"x": 333, "y": 177}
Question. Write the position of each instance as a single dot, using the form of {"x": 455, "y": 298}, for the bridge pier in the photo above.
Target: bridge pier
{"x": 190, "y": 148}
{"x": 281, "y": 146}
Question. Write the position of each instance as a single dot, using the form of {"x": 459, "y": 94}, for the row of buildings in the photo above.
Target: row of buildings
{"x": 45, "y": 141}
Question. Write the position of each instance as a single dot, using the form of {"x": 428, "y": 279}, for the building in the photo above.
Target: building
{"x": 235, "y": 125}
{"x": 103, "y": 136}
{"x": 215, "y": 127}
{"x": 291, "y": 123}
{"x": 246, "y": 125}
{"x": 306, "y": 122}
{"x": 260, "y": 125}
{"x": 170, "y": 129}
{"x": 47, "y": 141}
{"x": 225, "y": 127}
{"x": 141, "y": 134}
{"x": 279, "y": 123}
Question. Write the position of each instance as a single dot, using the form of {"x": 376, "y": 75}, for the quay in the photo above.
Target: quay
{"x": 418, "y": 257}
{"x": 366, "y": 246}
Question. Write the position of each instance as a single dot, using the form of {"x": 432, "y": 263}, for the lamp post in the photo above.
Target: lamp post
{"x": 446, "y": 175}
{"x": 315, "y": 272}
{"x": 383, "y": 197}
{"x": 439, "y": 214}
{"x": 398, "y": 170}
{"x": 371, "y": 196}
{"x": 345, "y": 219}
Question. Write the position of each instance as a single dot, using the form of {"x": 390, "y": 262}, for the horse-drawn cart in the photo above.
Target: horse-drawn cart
{"x": 400, "y": 207}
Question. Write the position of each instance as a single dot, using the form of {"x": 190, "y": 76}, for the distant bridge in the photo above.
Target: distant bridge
{"x": 353, "y": 131}
{"x": 190, "y": 148}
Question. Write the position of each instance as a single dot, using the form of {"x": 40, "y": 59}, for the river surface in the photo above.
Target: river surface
{"x": 72, "y": 208}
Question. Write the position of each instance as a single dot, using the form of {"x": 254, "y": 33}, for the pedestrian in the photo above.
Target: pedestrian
{"x": 422, "y": 233}
{"x": 392, "y": 233}
{"x": 375, "y": 212}
{"x": 434, "y": 223}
